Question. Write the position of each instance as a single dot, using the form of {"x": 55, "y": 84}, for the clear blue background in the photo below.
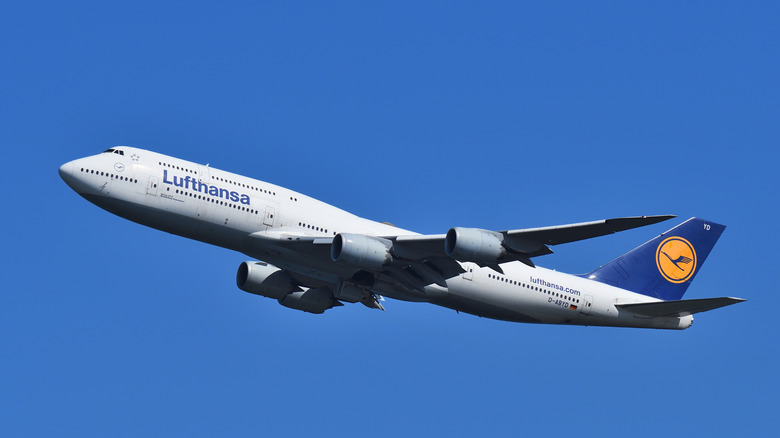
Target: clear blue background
{"x": 428, "y": 115}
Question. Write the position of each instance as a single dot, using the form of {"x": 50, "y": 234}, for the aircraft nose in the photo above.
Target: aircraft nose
{"x": 66, "y": 173}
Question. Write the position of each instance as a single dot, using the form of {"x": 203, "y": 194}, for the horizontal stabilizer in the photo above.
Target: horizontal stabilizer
{"x": 679, "y": 307}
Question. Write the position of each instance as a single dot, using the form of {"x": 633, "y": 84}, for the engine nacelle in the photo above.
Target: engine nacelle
{"x": 474, "y": 245}
{"x": 360, "y": 251}
{"x": 311, "y": 300}
{"x": 263, "y": 279}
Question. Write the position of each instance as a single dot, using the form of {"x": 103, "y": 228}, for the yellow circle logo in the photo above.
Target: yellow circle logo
{"x": 676, "y": 259}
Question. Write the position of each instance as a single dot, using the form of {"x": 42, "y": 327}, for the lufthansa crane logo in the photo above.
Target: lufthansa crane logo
{"x": 676, "y": 259}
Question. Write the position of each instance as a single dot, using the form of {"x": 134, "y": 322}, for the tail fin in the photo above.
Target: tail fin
{"x": 665, "y": 266}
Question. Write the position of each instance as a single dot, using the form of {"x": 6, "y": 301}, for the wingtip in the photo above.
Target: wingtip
{"x": 652, "y": 219}
{"x": 658, "y": 218}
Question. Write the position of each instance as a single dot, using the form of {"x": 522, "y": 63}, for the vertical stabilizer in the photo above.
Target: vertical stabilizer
{"x": 665, "y": 266}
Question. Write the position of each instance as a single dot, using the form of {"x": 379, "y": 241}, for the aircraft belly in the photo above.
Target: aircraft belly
{"x": 172, "y": 222}
{"x": 474, "y": 298}
{"x": 484, "y": 309}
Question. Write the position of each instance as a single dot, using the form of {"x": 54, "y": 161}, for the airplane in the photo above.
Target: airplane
{"x": 312, "y": 256}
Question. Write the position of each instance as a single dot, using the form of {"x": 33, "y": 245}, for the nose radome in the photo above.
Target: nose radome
{"x": 66, "y": 173}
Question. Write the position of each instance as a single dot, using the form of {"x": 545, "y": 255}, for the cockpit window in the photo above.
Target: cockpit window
{"x": 116, "y": 151}
{"x": 108, "y": 150}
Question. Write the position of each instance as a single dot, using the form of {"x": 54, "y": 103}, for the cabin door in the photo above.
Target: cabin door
{"x": 269, "y": 216}
{"x": 587, "y": 304}
{"x": 153, "y": 183}
{"x": 203, "y": 174}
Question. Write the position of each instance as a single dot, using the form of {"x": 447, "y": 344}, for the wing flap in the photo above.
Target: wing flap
{"x": 418, "y": 247}
{"x": 678, "y": 308}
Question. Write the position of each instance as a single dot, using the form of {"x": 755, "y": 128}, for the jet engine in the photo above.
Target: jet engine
{"x": 269, "y": 281}
{"x": 263, "y": 279}
{"x": 312, "y": 300}
{"x": 361, "y": 251}
{"x": 474, "y": 245}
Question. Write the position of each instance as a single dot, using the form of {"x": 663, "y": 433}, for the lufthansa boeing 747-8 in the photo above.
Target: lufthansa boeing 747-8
{"x": 312, "y": 256}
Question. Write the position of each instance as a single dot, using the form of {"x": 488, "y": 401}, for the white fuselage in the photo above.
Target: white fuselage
{"x": 223, "y": 209}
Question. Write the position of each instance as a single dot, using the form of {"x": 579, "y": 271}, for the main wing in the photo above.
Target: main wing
{"x": 521, "y": 245}
{"x": 420, "y": 260}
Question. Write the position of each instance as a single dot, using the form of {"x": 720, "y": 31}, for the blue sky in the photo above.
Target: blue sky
{"x": 428, "y": 115}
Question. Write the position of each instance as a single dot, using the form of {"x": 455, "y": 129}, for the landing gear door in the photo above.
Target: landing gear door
{"x": 269, "y": 216}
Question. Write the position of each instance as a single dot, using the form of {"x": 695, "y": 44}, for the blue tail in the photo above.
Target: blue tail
{"x": 665, "y": 266}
